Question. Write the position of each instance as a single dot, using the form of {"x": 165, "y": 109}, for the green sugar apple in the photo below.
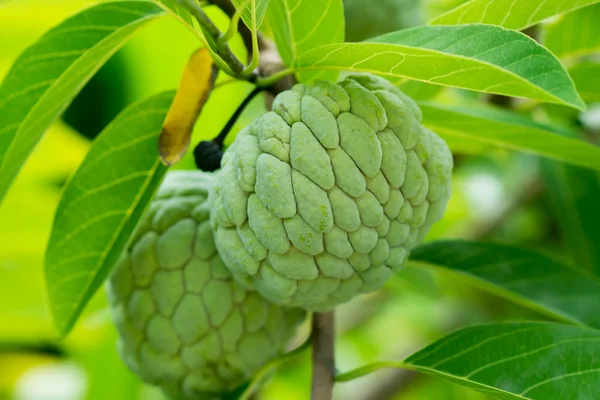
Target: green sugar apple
{"x": 184, "y": 324}
{"x": 366, "y": 19}
{"x": 323, "y": 197}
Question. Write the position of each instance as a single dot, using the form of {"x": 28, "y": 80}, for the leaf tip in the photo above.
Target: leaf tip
{"x": 580, "y": 105}
{"x": 62, "y": 326}
{"x": 169, "y": 151}
{"x": 577, "y": 103}
{"x": 196, "y": 83}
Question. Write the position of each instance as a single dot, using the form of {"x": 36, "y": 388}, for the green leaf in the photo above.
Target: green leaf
{"x": 465, "y": 128}
{"x": 527, "y": 360}
{"x": 180, "y": 12}
{"x": 574, "y": 194}
{"x": 483, "y": 58}
{"x": 260, "y": 7}
{"x": 509, "y": 361}
{"x": 576, "y": 34}
{"x": 101, "y": 206}
{"x": 586, "y": 79}
{"x": 526, "y": 277}
{"x": 513, "y": 14}
{"x": 298, "y": 27}
{"x": 48, "y": 75}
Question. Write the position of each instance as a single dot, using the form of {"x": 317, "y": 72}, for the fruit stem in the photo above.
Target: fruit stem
{"x": 220, "y": 138}
{"x": 323, "y": 356}
{"x": 270, "y": 80}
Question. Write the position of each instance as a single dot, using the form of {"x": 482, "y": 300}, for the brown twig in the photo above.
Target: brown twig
{"x": 323, "y": 364}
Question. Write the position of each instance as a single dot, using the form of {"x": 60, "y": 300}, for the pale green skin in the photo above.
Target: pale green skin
{"x": 184, "y": 324}
{"x": 322, "y": 198}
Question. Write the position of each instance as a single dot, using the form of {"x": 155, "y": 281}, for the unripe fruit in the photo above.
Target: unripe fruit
{"x": 323, "y": 197}
{"x": 184, "y": 324}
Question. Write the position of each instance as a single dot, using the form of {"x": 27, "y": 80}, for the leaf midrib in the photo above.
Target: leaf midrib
{"x": 579, "y": 104}
{"x": 529, "y": 23}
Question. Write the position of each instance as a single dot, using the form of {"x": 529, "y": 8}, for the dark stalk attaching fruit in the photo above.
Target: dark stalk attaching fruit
{"x": 208, "y": 153}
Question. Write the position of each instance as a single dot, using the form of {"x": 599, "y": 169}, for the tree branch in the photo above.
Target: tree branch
{"x": 323, "y": 358}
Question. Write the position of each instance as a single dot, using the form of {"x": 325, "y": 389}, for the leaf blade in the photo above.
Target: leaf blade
{"x": 297, "y": 28}
{"x": 585, "y": 77}
{"x": 499, "y": 12}
{"x": 50, "y": 73}
{"x": 518, "y": 360}
{"x": 471, "y": 57}
{"x": 576, "y": 34}
{"x": 257, "y": 6}
{"x": 464, "y": 127}
{"x": 574, "y": 194}
{"x": 101, "y": 206}
{"x": 523, "y": 276}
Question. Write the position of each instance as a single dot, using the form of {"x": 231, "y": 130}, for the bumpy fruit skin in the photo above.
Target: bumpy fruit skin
{"x": 184, "y": 324}
{"x": 323, "y": 197}
{"x": 366, "y": 19}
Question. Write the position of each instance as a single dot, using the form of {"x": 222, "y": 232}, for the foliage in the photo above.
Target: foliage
{"x": 460, "y": 67}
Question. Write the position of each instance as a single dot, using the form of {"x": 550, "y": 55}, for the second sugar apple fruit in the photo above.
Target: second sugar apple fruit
{"x": 323, "y": 198}
{"x": 184, "y": 324}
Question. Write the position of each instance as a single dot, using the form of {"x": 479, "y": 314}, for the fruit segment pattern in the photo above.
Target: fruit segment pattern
{"x": 184, "y": 323}
{"x": 323, "y": 198}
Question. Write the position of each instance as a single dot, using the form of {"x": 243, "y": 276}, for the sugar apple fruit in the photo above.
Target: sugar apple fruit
{"x": 184, "y": 324}
{"x": 323, "y": 197}
{"x": 366, "y": 19}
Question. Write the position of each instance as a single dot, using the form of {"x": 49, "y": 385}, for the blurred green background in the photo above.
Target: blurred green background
{"x": 496, "y": 196}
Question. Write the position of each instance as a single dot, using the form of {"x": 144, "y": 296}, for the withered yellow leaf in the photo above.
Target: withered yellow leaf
{"x": 196, "y": 83}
